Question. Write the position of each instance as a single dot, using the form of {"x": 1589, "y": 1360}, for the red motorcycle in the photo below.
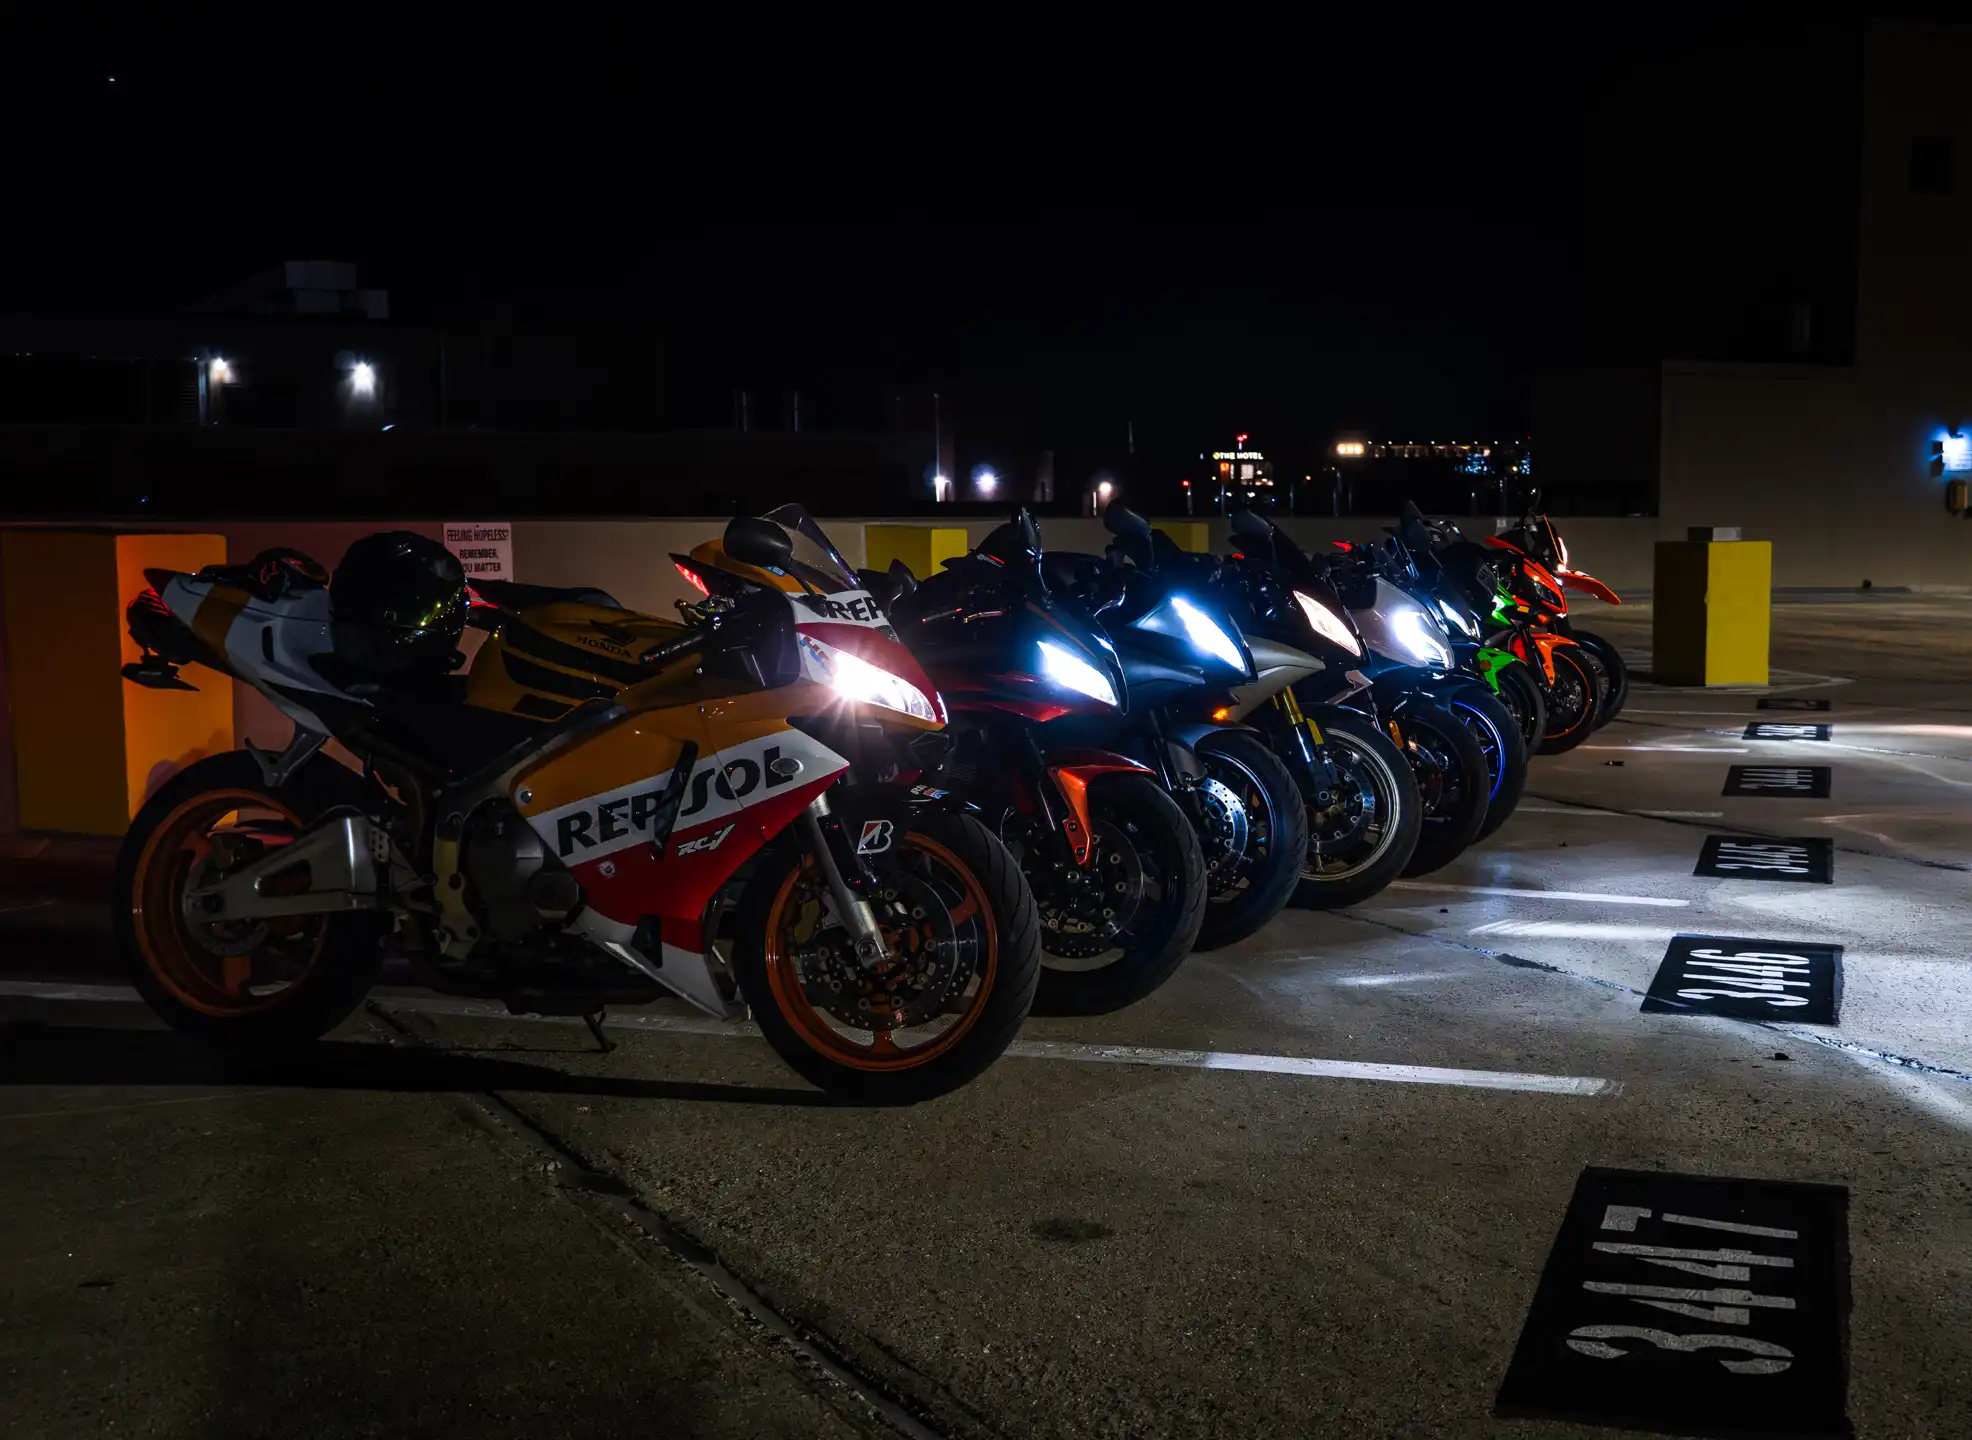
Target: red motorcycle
{"x": 1535, "y": 537}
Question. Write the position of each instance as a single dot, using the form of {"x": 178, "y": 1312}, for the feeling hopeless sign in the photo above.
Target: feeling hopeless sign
{"x": 484, "y": 547}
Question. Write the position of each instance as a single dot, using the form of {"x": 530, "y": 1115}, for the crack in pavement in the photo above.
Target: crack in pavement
{"x": 817, "y": 1361}
{"x": 1521, "y": 962}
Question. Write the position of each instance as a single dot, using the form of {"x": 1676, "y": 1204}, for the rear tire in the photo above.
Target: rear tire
{"x": 1451, "y": 819}
{"x": 1002, "y": 951}
{"x": 1345, "y": 865}
{"x": 1152, "y": 953}
{"x": 1241, "y": 759}
{"x": 218, "y": 998}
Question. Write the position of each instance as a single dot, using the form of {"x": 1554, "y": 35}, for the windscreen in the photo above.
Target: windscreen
{"x": 815, "y": 558}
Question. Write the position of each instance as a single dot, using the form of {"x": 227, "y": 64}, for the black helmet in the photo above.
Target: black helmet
{"x": 399, "y": 605}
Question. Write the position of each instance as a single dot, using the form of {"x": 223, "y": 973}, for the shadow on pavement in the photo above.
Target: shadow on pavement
{"x": 34, "y": 1053}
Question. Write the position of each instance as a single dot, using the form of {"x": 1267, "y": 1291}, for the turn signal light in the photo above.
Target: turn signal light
{"x": 1224, "y": 712}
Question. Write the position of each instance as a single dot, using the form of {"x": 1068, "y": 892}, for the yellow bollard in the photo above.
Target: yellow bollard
{"x": 925, "y": 548}
{"x": 1711, "y": 613}
{"x": 1192, "y": 535}
{"x": 89, "y": 747}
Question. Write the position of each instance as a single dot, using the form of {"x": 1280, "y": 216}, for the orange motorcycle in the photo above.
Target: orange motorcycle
{"x": 564, "y": 827}
{"x": 1534, "y": 536}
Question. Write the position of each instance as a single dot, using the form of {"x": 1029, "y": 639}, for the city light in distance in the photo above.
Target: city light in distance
{"x": 221, "y": 371}
{"x": 363, "y": 378}
{"x": 1349, "y": 447}
{"x": 984, "y": 480}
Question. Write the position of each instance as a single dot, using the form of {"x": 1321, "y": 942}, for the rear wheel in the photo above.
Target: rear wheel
{"x": 1258, "y": 873}
{"x": 1453, "y": 779}
{"x": 260, "y": 985}
{"x": 960, "y": 927}
{"x": 1571, "y": 702}
{"x": 1364, "y": 812}
{"x": 1116, "y": 929}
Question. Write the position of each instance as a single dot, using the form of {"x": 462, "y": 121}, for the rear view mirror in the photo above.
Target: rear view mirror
{"x": 760, "y": 543}
{"x": 1132, "y": 533}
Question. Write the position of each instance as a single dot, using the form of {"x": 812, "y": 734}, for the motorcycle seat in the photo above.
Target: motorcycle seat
{"x": 512, "y": 595}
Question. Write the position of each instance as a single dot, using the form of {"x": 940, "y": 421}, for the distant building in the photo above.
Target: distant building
{"x": 1774, "y": 325}
{"x": 1362, "y": 476}
{"x": 1238, "y": 476}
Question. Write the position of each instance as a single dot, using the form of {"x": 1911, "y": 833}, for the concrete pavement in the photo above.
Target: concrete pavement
{"x": 1070, "y": 1246}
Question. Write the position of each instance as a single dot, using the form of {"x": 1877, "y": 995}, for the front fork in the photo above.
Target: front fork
{"x": 828, "y": 842}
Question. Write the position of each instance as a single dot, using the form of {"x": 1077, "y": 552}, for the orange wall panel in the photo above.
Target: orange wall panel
{"x": 166, "y": 730}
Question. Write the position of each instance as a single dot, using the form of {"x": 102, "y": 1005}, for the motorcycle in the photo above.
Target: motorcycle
{"x": 1534, "y": 535}
{"x": 557, "y": 828}
{"x": 1461, "y": 748}
{"x": 1041, "y": 752}
{"x": 1522, "y": 603}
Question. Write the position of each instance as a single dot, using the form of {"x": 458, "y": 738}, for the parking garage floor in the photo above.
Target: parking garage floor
{"x": 1325, "y": 1182}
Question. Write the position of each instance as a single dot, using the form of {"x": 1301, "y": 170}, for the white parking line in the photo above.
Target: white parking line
{"x": 1022, "y": 1049}
{"x": 1597, "y": 810}
{"x": 1675, "y": 749}
{"x": 1588, "y": 895}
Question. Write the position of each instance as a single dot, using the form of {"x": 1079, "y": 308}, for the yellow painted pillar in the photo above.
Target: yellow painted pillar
{"x": 1711, "y": 612}
{"x": 89, "y": 747}
{"x": 925, "y": 548}
{"x": 1192, "y": 535}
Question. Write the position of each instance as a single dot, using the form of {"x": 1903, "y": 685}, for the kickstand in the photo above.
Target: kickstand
{"x": 595, "y": 1024}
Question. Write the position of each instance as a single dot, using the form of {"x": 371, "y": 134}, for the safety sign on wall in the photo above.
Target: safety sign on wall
{"x": 1790, "y": 702}
{"x": 1807, "y": 782}
{"x": 1809, "y": 861}
{"x": 484, "y": 547}
{"x": 1693, "y": 1305}
{"x": 1748, "y": 980}
{"x": 1784, "y": 730}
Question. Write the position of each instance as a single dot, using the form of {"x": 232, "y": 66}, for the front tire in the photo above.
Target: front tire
{"x": 1154, "y": 839}
{"x": 1260, "y": 882}
{"x": 968, "y": 956}
{"x": 1520, "y": 691}
{"x": 1498, "y": 734}
{"x": 1572, "y": 702}
{"x": 1615, "y": 669}
{"x": 255, "y": 988}
{"x": 1460, "y": 785}
{"x": 1364, "y": 813}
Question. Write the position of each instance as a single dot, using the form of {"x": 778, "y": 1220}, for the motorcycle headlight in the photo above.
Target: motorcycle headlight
{"x": 1071, "y": 671}
{"x": 1458, "y": 618}
{"x": 1413, "y": 629}
{"x": 854, "y": 678}
{"x": 1205, "y": 635}
{"x": 1327, "y": 623}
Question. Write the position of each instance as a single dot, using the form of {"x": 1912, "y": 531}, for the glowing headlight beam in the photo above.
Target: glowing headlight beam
{"x": 1413, "y": 630}
{"x": 1327, "y": 623}
{"x": 1075, "y": 673}
{"x": 1205, "y": 635}
{"x": 854, "y": 678}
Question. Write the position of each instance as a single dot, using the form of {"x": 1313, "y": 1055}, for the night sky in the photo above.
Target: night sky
{"x": 1379, "y": 235}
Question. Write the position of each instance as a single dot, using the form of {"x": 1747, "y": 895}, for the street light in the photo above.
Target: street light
{"x": 221, "y": 371}
{"x": 363, "y": 379}
{"x": 985, "y": 481}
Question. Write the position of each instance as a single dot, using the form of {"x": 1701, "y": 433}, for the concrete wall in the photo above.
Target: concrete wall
{"x": 1832, "y": 465}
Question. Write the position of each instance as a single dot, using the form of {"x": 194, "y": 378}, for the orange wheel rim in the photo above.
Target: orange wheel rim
{"x": 226, "y": 975}
{"x": 974, "y": 937}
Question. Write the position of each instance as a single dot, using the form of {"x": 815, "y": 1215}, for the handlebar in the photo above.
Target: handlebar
{"x": 666, "y": 651}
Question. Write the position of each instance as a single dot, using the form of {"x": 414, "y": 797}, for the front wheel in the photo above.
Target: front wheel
{"x": 959, "y": 923}
{"x": 1614, "y": 668}
{"x": 1260, "y": 860}
{"x": 1494, "y": 727}
{"x": 1116, "y": 929}
{"x": 1364, "y": 812}
{"x": 263, "y": 985}
{"x": 1572, "y": 702}
{"x": 1520, "y": 691}
{"x": 1452, "y": 776}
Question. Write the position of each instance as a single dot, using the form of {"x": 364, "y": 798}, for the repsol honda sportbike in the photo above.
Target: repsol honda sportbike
{"x": 554, "y": 829}
{"x": 1038, "y": 697}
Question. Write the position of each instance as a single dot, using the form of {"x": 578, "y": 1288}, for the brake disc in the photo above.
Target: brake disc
{"x": 1223, "y": 831}
{"x": 1081, "y": 917}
